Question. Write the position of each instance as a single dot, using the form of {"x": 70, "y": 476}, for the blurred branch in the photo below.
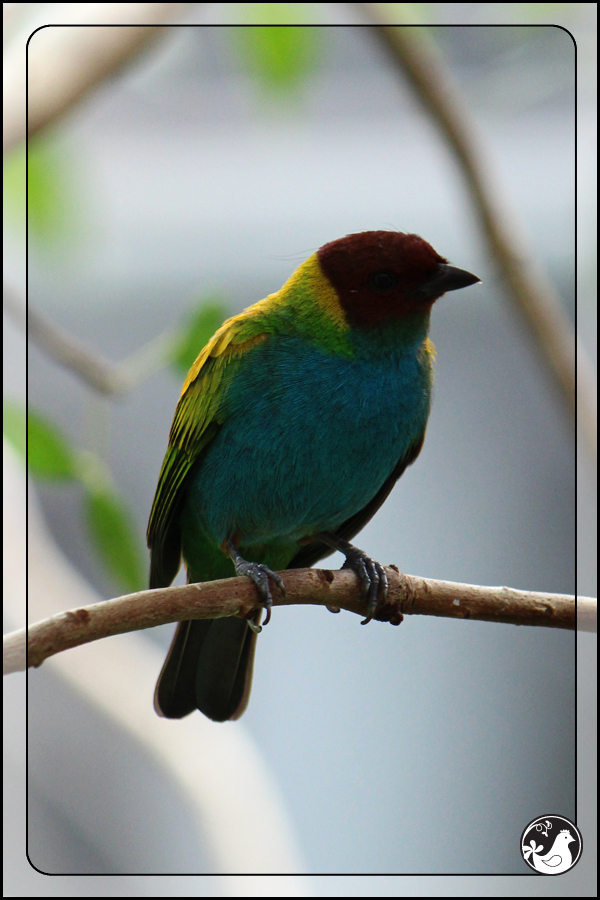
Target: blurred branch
{"x": 415, "y": 54}
{"x": 408, "y": 595}
{"x": 207, "y": 765}
{"x": 65, "y": 63}
{"x": 96, "y": 371}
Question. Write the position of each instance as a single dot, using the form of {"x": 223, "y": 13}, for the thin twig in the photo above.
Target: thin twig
{"x": 408, "y": 595}
{"x": 65, "y": 63}
{"x": 96, "y": 371}
{"x": 532, "y": 293}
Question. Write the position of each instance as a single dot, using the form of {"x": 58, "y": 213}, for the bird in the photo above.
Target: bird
{"x": 294, "y": 423}
{"x": 559, "y": 857}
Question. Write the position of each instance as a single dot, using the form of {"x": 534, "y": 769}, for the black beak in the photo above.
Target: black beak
{"x": 447, "y": 278}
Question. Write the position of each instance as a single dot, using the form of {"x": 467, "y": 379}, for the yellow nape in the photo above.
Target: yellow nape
{"x": 307, "y": 300}
{"x": 308, "y": 287}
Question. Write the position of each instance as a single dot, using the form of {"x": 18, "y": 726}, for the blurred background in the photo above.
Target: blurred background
{"x": 189, "y": 185}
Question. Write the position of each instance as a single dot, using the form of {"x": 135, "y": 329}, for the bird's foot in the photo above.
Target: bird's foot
{"x": 371, "y": 573}
{"x": 260, "y": 575}
{"x": 253, "y": 620}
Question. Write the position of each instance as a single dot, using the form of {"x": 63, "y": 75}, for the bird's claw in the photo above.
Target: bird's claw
{"x": 260, "y": 574}
{"x": 372, "y": 575}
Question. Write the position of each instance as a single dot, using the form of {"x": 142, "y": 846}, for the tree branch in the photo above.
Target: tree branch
{"x": 66, "y": 63}
{"x": 340, "y": 589}
{"x": 530, "y": 290}
{"x": 97, "y": 372}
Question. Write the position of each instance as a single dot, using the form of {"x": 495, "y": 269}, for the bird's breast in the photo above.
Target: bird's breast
{"x": 307, "y": 440}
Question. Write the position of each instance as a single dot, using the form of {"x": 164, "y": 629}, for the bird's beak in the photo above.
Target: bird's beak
{"x": 448, "y": 278}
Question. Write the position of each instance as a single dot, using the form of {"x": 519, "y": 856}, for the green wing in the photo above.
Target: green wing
{"x": 197, "y": 420}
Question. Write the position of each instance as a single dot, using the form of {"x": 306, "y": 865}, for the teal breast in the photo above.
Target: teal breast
{"x": 308, "y": 439}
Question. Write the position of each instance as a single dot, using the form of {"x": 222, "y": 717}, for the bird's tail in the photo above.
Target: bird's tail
{"x": 208, "y": 667}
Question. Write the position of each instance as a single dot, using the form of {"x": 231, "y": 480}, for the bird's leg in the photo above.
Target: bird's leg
{"x": 371, "y": 573}
{"x": 260, "y": 575}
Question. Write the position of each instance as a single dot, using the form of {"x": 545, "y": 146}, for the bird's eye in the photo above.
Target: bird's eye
{"x": 383, "y": 281}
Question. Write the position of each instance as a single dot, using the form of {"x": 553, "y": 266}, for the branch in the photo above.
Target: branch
{"x": 533, "y": 295}
{"x": 97, "y": 372}
{"x": 65, "y": 63}
{"x": 206, "y": 766}
{"x": 408, "y": 595}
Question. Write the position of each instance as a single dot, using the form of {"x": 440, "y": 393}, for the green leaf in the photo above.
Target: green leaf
{"x": 197, "y": 331}
{"x": 279, "y": 55}
{"x": 48, "y": 453}
{"x": 13, "y": 188}
{"x": 14, "y": 426}
{"x": 50, "y": 456}
{"x": 114, "y": 537}
{"x": 50, "y": 201}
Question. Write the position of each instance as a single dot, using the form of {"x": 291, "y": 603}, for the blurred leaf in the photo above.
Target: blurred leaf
{"x": 49, "y": 456}
{"x": 50, "y": 200}
{"x": 14, "y": 426}
{"x": 51, "y": 205}
{"x": 279, "y": 55}
{"x": 197, "y": 331}
{"x": 114, "y": 537}
{"x": 48, "y": 453}
{"x": 13, "y": 187}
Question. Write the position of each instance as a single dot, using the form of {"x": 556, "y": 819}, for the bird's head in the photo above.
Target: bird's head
{"x": 382, "y": 275}
{"x": 566, "y": 836}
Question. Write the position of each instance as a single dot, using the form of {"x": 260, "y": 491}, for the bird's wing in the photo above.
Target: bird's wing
{"x": 553, "y": 861}
{"x": 197, "y": 420}
{"x": 316, "y": 550}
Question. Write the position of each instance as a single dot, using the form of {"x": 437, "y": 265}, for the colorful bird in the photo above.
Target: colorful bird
{"x": 293, "y": 425}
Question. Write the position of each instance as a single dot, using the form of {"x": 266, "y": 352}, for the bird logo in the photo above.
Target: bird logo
{"x": 560, "y": 849}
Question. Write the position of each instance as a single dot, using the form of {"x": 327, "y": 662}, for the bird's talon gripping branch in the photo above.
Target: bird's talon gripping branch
{"x": 254, "y": 622}
{"x": 371, "y": 573}
{"x": 259, "y": 574}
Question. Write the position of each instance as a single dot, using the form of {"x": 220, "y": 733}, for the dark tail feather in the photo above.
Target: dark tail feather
{"x": 208, "y": 667}
{"x": 175, "y": 694}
